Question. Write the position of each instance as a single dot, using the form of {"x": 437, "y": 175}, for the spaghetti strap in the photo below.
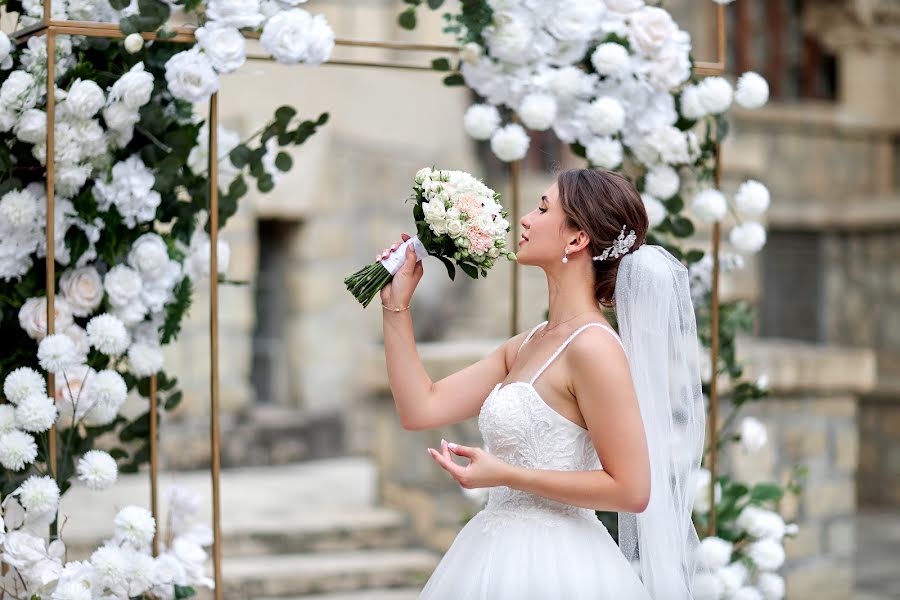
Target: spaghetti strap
{"x": 569, "y": 339}
{"x": 531, "y": 333}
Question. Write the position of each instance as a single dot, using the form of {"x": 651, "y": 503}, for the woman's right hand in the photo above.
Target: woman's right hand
{"x": 398, "y": 292}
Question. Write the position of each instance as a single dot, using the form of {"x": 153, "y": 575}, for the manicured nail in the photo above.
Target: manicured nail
{"x": 452, "y": 446}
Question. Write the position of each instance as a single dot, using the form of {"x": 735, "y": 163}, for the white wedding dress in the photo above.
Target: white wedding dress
{"x": 526, "y": 547}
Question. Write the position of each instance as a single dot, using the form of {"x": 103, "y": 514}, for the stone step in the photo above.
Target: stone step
{"x": 285, "y": 576}
{"x": 382, "y": 594}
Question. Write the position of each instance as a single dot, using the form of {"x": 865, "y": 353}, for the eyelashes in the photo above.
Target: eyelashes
{"x": 543, "y": 210}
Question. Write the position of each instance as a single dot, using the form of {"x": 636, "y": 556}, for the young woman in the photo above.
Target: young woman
{"x": 574, "y": 417}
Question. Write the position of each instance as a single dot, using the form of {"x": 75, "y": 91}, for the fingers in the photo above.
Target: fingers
{"x": 404, "y": 236}
{"x": 465, "y": 451}
{"x": 448, "y": 465}
{"x": 386, "y": 251}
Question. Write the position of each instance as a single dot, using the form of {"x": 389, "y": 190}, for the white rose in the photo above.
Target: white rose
{"x": 752, "y": 198}
{"x": 191, "y": 77}
{"x": 19, "y": 91}
{"x": 471, "y": 53}
{"x": 421, "y": 174}
{"x": 752, "y": 90}
{"x": 605, "y": 116}
{"x": 149, "y": 256}
{"x": 134, "y": 42}
{"x": 83, "y": 288}
{"x": 434, "y": 210}
{"x": 134, "y": 88}
{"x": 510, "y": 40}
{"x": 574, "y": 19}
{"x": 235, "y": 13}
{"x": 481, "y": 121}
{"x": 651, "y": 28}
{"x": 767, "y": 554}
{"x": 612, "y": 60}
{"x": 455, "y": 228}
{"x": 439, "y": 227}
{"x": 320, "y": 42}
{"x": 119, "y": 117}
{"x": 671, "y": 66}
{"x": 32, "y": 126}
{"x": 753, "y": 434}
{"x": 605, "y": 152}
{"x": 290, "y": 36}
{"x": 538, "y": 111}
{"x": 656, "y": 211}
{"x": 123, "y": 284}
{"x": 84, "y": 99}
{"x": 748, "y": 237}
{"x": 510, "y": 143}
{"x": 33, "y": 316}
{"x": 224, "y": 45}
{"x": 709, "y": 205}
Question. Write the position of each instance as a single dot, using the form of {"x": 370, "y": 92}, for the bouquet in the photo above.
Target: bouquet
{"x": 458, "y": 218}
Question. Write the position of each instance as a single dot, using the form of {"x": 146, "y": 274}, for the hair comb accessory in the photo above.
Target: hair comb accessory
{"x": 620, "y": 245}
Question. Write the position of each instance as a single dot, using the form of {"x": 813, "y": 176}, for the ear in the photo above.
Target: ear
{"x": 579, "y": 242}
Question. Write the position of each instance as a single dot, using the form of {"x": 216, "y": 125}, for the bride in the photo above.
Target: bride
{"x": 575, "y": 418}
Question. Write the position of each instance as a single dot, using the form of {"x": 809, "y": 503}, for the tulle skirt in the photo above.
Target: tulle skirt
{"x": 527, "y": 556}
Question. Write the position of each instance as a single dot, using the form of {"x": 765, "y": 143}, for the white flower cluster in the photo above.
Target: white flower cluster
{"x": 457, "y": 205}
{"x": 123, "y": 567}
{"x": 750, "y": 202}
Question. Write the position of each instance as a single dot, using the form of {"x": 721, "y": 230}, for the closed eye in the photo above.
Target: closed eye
{"x": 543, "y": 210}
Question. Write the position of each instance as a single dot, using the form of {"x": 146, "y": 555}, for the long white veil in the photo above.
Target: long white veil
{"x": 658, "y": 329}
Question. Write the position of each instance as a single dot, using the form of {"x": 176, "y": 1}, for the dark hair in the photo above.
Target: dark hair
{"x": 600, "y": 202}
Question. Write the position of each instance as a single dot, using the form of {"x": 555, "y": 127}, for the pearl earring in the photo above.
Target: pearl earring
{"x": 566, "y": 257}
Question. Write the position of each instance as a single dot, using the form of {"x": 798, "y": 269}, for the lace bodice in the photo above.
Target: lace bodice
{"x": 520, "y": 428}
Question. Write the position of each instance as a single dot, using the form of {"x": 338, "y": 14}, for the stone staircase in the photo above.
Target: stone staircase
{"x": 310, "y": 530}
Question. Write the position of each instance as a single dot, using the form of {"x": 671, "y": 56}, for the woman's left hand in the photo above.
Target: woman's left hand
{"x": 483, "y": 470}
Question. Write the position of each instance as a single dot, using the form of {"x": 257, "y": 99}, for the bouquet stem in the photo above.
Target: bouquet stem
{"x": 369, "y": 280}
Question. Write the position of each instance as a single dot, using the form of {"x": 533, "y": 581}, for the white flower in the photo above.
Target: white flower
{"x": 31, "y": 127}
{"x": 656, "y": 211}
{"x": 223, "y": 44}
{"x": 84, "y": 99}
{"x": 434, "y": 210}
{"x": 747, "y": 593}
{"x": 97, "y": 469}
{"x": 131, "y": 190}
{"x": 107, "y": 392}
{"x": 752, "y": 198}
{"x": 605, "y": 152}
{"x": 144, "y": 359}
{"x": 57, "y": 352}
{"x": 671, "y": 66}
{"x": 662, "y": 181}
{"x": 702, "y": 480}
{"x": 110, "y": 568}
{"x": 72, "y": 394}
{"x": 134, "y": 42}
{"x": 651, "y": 28}
{"x": 670, "y": 144}
{"x": 226, "y": 141}
{"x": 123, "y": 284}
{"x": 707, "y": 586}
{"x": 481, "y": 121}
{"x": 771, "y": 585}
{"x": 574, "y": 20}
{"x": 191, "y": 77}
{"x": 7, "y": 424}
{"x": 235, "y": 13}
{"x": 72, "y": 590}
{"x": 732, "y": 577}
{"x": 605, "y": 116}
{"x": 709, "y": 205}
{"x": 6, "y": 61}
{"x": 510, "y": 142}
{"x": 33, "y": 316}
{"x": 107, "y": 334}
{"x": 753, "y": 434}
{"x": 320, "y": 42}
{"x": 752, "y": 90}
{"x": 133, "y": 312}
{"x": 36, "y": 413}
{"x": 18, "y": 209}
{"x": 715, "y": 94}
{"x": 691, "y": 105}
{"x": 537, "y": 111}
{"x": 510, "y": 39}
{"x": 569, "y": 83}
{"x": 714, "y": 553}
{"x": 196, "y": 266}
{"x": 23, "y": 382}
{"x": 761, "y": 523}
{"x": 134, "y": 88}
{"x": 294, "y": 36}
{"x": 791, "y": 529}
{"x": 17, "y": 449}
{"x": 471, "y": 53}
{"x": 748, "y": 237}
{"x": 22, "y": 549}
{"x": 149, "y": 256}
{"x": 38, "y": 495}
{"x": 134, "y": 525}
{"x": 612, "y": 60}
{"x": 19, "y": 91}
{"x": 767, "y": 554}
{"x": 83, "y": 289}
{"x": 119, "y": 117}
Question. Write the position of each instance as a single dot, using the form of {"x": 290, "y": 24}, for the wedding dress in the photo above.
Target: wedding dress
{"x": 526, "y": 547}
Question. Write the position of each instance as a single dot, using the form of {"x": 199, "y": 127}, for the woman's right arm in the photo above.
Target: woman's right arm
{"x": 421, "y": 403}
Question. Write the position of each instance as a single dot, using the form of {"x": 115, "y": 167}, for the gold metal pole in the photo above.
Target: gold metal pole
{"x": 515, "y": 169}
{"x": 154, "y": 464}
{"x": 714, "y": 354}
{"x": 214, "y": 337}
{"x": 50, "y": 282}
{"x": 718, "y": 67}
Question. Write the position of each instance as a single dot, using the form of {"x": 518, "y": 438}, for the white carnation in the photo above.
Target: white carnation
{"x": 766, "y": 554}
{"x": 22, "y": 383}
{"x": 662, "y": 181}
{"x": 107, "y": 392}
{"x": 753, "y": 434}
{"x": 715, "y": 94}
{"x": 669, "y": 144}
{"x": 7, "y": 418}
{"x": 510, "y": 39}
{"x": 36, "y": 413}
{"x": 709, "y": 205}
{"x": 83, "y": 288}
{"x": 510, "y": 142}
{"x": 31, "y": 127}
{"x": 569, "y": 83}
{"x": 752, "y": 198}
{"x": 481, "y": 121}
{"x": 605, "y": 116}
{"x": 38, "y": 495}
{"x": 714, "y": 553}
{"x": 131, "y": 313}
{"x": 747, "y": 593}
{"x": 84, "y": 99}
{"x": 107, "y": 334}
{"x": 134, "y": 88}
{"x": 57, "y": 352}
{"x": 18, "y": 209}
{"x": 97, "y": 469}
{"x": 19, "y": 91}
{"x": 134, "y": 526}
{"x": 191, "y": 77}
{"x": 123, "y": 285}
{"x": 612, "y": 60}
{"x": 131, "y": 190}
{"x": 17, "y": 450}
{"x": 707, "y": 586}
{"x": 119, "y": 117}
{"x": 223, "y": 44}
{"x": 771, "y": 585}
{"x": 752, "y": 90}
{"x": 748, "y": 237}
{"x": 145, "y": 359}
{"x": 235, "y": 13}
{"x": 604, "y": 152}
{"x": 537, "y": 111}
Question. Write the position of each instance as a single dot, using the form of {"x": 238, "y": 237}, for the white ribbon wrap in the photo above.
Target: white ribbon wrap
{"x": 396, "y": 258}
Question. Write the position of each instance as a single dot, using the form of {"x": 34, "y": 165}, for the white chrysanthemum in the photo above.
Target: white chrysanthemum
{"x": 538, "y": 111}
{"x": 690, "y": 103}
{"x": 107, "y": 334}
{"x": 656, "y": 211}
{"x": 223, "y": 44}
{"x": 702, "y": 480}
{"x": 36, "y": 413}
{"x": 110, "y": 569}
{"x": 752, "y": 90}
{"x": 57, "y": 353}
{"x": 714, "y": 552}
{"x": 123, "y": 285}
{"x": 715, "y": 94}
{"x": 748, "y": 237}
{"x": 510, "y": 142}
{"x": 753, "y": 434}
{"x": 752, "y": 198}
{"x": 38, "y": 495}
{"x": 605, "y": 116}
{"x": 612, "y": 60}
{"x": 107, "y": 392}
{"x": 191, "y": 77}
{"x": 771, "y": 585}
{"x": 97, "y": 469}
{"x": 145, "y": 360}
{"x": 131, "y": 190}
{"x": 84, "y": 99}
{"x": 18, "y": 209}
{"x": 7, "y": 418}
{"x": 662, "y": 181}
{"x": 17, "y": 450}
{"x": 747, "y": 593}
{"x": 733, "y": 578}
{"x": 766, "y": 554}
{"x": 134, "y": 525}
{"x": 604, "y": 152}
{"x": 709, "y": 205}
{"x": 707, "y": 586}
{"x": 481, "y": 121}
{"x": 23, "y": 382}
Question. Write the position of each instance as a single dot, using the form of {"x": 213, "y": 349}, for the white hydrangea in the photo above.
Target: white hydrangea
{"x": 510, "y": 142}
{"x": 38, "y": 495}
{"x": 145, "y": 359}
{"x": 748, "y": 237}
{"x": 134, "y": 526}
{"x": 191, "y": 77}
{"x": 766, "y": 554}
{"x": 84, "y": 99}
{"x": 604, "y": 152}
{"x": 662, "y": 181}
{"x": 709, "y": 205}
{"x": 771, "y": 585}
{"x": 714, "y": 552}
{"x": 107, "y": 334}
{"x": 715, "y": 94}
{"x": 612, "y": 60}
{"x": 36, "y": 413}
{"x": 753, "y": 434}
{"x": 223, "y": 45}
{"x": 656, "y": 211}
{"x": 83, "y": 289}
{"x": 17, "y": 450}
{"x": 122, "y": 285}
{"x": 752, "y": 198}
{"x": 57, "y": 352}
{"x": 107, "y": 392}
{"x": 23, "y": 382}
{"x": 481, "y": 121}
{"x": 7, "y": 418}
{"x": 131, "y": 191}
{"x": 752, "y": 90}
{"x": 605, "y": 116}
{"x": 538, "y": 111}
{"x": 97, "y": 469}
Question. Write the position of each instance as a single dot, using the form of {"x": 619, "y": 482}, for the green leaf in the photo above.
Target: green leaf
{"x": 283, "y": 161}
{"x": 173, "y": 401}
{"x": 763, "y": 492}
{"x": 323, "y": 118}
{"x": 695, "y": 256}
{"x": 435, "y": 4}
{"x": 451, "y": 270}
{"x": 675, "y": 204}
{"x": 240, "y": 156}
{"x": 682, "y": 227}
{"x": 119, "y": 4}
{"x": 453, "y": 80}
{"x": 407, "y": 19}
{"x": 284, "y": 114}
{"x": 118, "y": 453}
{"x": 182, "y": 592}
{"x": 130, "y": 24}
{"x": 470, "y": 270}
{"x": 440, "y": 64}
{"x": 265, "y": 184}
{"x": 238, "y": 187}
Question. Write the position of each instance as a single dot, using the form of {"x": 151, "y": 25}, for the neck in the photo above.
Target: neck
{"x": 571, "y": 292}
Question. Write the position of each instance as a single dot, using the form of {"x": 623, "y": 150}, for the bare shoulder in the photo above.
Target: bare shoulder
{"x": 596, "y": 348}
{"x": 511, "y": 347}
